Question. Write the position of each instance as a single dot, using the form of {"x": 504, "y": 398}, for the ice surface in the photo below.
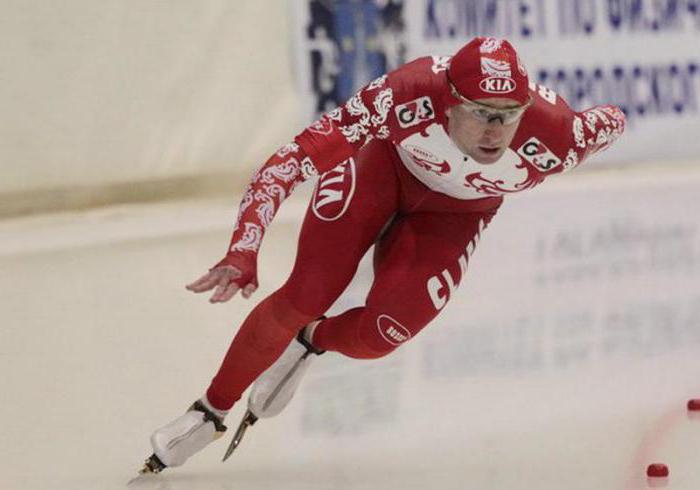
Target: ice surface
{"x": 565, "y": 361}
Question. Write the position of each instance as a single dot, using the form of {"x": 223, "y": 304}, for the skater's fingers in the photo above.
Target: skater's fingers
{"x": 249, "y": 290}
{"x": 220, "y": 276}
{"x": 224, "y": 293}
{"x": 198, "y": 281}
{"x": 226, "y": 274}
{"x": 204, "y": 283}
{"x": 229, "y": 292}
{"x": 217, "y": 293}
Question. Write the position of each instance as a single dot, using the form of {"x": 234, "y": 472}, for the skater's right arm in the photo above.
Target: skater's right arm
{"x": 322, "y": 146}
{"x": 272, "y": 183}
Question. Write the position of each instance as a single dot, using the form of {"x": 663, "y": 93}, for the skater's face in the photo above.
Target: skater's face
{"x": 483, "y": 130}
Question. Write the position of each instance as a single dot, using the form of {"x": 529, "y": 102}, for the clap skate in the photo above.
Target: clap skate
{"x": 174, "y": 443}
{"x": 274, "y": 389}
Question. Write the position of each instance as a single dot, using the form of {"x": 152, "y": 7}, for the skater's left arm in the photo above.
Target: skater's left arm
{"x": 593, "y": 130}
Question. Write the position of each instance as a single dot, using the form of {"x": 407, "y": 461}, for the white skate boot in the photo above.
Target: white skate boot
{"x": 274, "y": 389}
{"x": 188, "y": 434}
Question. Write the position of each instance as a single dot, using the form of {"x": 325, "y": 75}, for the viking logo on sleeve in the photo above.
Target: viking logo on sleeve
{"x": 415, "y": 112}
{"x": 334, "y": 191}
{"x": 535, "y": 152}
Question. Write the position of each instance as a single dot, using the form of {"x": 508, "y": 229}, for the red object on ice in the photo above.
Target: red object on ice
{"x": 694, "y": 405}
{"x": 657, "y": 470}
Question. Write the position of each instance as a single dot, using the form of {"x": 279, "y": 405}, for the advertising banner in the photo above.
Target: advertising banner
{"x": 643, "y": 55}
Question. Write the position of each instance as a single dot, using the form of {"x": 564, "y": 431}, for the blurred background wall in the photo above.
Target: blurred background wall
{"x": 113, "y": 100}
{"x": 138, "y": 100}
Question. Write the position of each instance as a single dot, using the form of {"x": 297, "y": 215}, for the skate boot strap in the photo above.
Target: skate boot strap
{"x": 209, "y": 416}
{"x": 309, "y": 347}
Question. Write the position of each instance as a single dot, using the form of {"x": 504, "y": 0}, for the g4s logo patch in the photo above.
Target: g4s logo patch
{"x": 415, "y": 112}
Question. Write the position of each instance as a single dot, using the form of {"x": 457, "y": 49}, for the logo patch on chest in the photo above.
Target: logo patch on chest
{"x": 535, "y": 152}
{"x": 415, "y": 112}
{"x": 427, "y": 160}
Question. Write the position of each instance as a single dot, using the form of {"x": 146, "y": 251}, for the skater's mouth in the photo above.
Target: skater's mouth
{"x": 489, "y": 150}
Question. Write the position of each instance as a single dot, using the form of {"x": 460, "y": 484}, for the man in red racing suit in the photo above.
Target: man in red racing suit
{"x": 417, "y": 164}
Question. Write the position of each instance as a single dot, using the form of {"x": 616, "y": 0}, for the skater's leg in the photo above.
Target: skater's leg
{"x": 349, "y": 209}
{"x": 418, "y": 265}
{"x": 262, "y": 337}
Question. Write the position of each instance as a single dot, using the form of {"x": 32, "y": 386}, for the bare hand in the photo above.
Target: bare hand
{"x": 226, "y": 280}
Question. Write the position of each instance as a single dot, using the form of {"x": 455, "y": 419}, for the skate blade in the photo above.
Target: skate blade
{"x": 139, "y": 478}
{"x": 142, "y": 476}
{"x": 248, "y": 419}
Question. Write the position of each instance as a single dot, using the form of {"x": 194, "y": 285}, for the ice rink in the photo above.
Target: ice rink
{"x": 565, "y": 361}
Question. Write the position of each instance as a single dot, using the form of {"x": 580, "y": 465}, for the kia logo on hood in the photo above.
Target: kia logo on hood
{"x": 498, "y": 85}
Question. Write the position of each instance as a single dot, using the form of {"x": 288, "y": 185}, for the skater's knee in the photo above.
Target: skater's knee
{"x": 288, "y": 312}
{"x": 306, "y": 304}
{"x": 273, "y": 323}
{"x": 370, "y": 353}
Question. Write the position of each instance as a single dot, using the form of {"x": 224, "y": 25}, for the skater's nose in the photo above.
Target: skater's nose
{"x": 493, "y": 129}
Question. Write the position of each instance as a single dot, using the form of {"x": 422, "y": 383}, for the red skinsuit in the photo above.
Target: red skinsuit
{"x": 391, "y": 175}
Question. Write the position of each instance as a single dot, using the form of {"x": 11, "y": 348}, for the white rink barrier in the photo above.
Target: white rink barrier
{"x": 101, "y": 93}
